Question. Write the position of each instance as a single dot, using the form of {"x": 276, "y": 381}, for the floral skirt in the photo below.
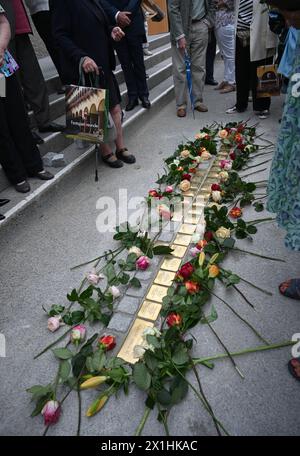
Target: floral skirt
{"x": 284, "y": 182}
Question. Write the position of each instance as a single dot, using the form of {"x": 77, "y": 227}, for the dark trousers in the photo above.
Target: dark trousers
{"x": 31, "y": 78}
{"x": 131, "y": 56}
{"x": 246, "y": 79}
{"x": 19, "y": 156}
{"x": 210, "y": 56}
{"x": 42, "y": 22}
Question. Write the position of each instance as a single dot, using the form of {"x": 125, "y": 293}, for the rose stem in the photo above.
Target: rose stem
{"x": 79, "y": 410}
{"x": 257, "y": 287}
{"x": 244, "y": 352}
{"x": 225, "y": 348}
{"x": 243, "y": 296}
{"x": 95, "y": 259}
{"x": 164, "y": 420}
{"x": 258, "y": 255}
{"x": 142, "y": 423}
{"x": 258, "y": 164}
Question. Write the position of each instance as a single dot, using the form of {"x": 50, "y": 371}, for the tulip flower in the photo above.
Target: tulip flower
{"x": 174, "y": 319}
{"x": 143, "y": 263}
{"x": 93, "y": 382}
{"x": 97, "y": 406}
{"x": 51, "y": 412}
{"x": 78, "y": 334}
{"x": 107, "y": 342}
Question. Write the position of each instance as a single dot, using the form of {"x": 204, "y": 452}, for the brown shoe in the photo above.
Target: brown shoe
{"x": 221, "y": 86}
{"x": 229, "y": 88}
{"x": 201, "y": 108}
{"x": 181, "y": 112}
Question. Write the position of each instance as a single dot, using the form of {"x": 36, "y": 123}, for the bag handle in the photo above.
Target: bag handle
{"x": 92, "y": 78}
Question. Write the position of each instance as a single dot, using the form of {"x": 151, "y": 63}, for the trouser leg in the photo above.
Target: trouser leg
{"x": 198, "y": 48}
{"x": 135, "y": 44}
{"x": 122, "y": 49}
{"x": 210, "y": 56}
{"x": 179, "y": 76}
{"x": 226, "y": 42}
{"x": 242, "y": 73}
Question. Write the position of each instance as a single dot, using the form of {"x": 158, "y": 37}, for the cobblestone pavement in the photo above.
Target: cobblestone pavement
{"x": 59, "y": 231}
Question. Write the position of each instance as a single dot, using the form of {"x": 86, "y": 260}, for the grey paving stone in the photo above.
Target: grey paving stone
{"x": 145, "y": 275}
{"x": 120, "y": 322}
{"x": 138, "y": 292}
{"x": 129, "y": 305}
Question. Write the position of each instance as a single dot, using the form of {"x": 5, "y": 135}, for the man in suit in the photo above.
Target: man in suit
{"x": 128, "y": 15}
{"x": 190, "y": 21}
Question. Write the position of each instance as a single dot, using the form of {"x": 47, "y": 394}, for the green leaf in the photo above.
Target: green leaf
{"x": 211, "y": 318}
{"x": 162, "y": 250}
{"x": 110, "y": 272}
{"x": 135, "y": 283}
{"x": 152, "y": 340}
{"x": 62, "y": 353}
{"x": 240, "y": 234}
{"x": 77, "y": 316}
{"x": 65, "y": 369}
{"x": 178, "y": 390}
{"x": 98, "y": 360}
{"x": 229, "y": 243}
{"x": 150, "y": 361}
{"x": 251, "y": 229}
{"x": 164, "y": 397}
{"x": 56, "y": 310}
{"x": 124, "y": 278}
{"x": 73, "y": 296}
{"x": 180, "y": 356}
{"x": 259, "y": 207}
{"x": 141, "y": 376}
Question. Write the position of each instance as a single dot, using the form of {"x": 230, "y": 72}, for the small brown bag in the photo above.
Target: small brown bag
{"x": 269, "y": 81}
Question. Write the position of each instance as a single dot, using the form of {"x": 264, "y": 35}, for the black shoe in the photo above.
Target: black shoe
{"x": 132, "y": 103}
{"x": 62, "y": 90}
{"x": 3, "y": 202}
{"x": 114, "y": 163}
{"x": 145, "y": 102}
{"x": 44, "y": 175}
{"x": 23, "y": 187}
{"x": 51, "y": 127}
{"x": 129, "y": 159}
{"x": 211, "y": 82}
{"x": 37, "y": 139}
{"x": 2, "y": 217}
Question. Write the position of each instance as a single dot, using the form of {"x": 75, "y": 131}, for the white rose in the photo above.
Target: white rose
{"x": 138, "y": 351}
{"x": 114, "y": 291}
{"x": 185, "y": 185}
{"x": 216, "y": 196}
{"x": 176, "y": 162}
{"x": 223, "y": 176}
{"x": 185, "y": 153}
{"x": 151, "y": 332}
{"x": 223, "y": 233}
{"x": 136, "y": 251}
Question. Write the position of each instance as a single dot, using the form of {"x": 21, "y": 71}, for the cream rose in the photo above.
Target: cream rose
{"x": 205, "y": 155}
{"x": 223, "y": 134}
{"x": 223, "y": 176}
{"x": 185, "y": 153}
{"x": 216, "y": 196}
{"x": 136, "y": 251}
{"x": 223, "y": 233}
{"x": 185, "y": 185}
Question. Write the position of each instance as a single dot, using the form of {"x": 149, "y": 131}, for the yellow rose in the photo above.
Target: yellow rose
{"x": 214, "y": 271}
{"x": 223, "y": 134}
{"x": 223, "y": 176}
{"x": 185, "y": 153}
{"x": 223, "y": 233}
{"x": 185, "y": 185}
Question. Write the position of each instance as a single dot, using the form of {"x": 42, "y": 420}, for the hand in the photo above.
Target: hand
{"x": 123, "y": 19}
{"x": 2, "y": 50}
{"x": 117, "y": 34}
{"x": 182, "y": 44}
{"x": 292, "y": 18}
{"x": 90, "y": 66}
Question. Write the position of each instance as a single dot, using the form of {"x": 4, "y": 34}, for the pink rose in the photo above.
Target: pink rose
{"x": 78, "y": 334}
{"x": 53, "y": 323}
{"x": 94, "y": 278}
{"x": 51, "y": 412}
{"x": 169, "y": 189}
{"x": 143, "y": 263}
{"x": 226, "y": 164}
{"x": 194, "y": 251}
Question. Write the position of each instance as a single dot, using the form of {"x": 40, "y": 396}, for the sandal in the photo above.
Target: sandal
{"x": 290, "y": 289}
{"x": 294, "y": 368}
{"x": 123, "y": 155}
{"x": 112, "y": 163}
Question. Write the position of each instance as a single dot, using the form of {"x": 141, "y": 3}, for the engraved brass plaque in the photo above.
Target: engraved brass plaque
{"x": 134, "y": 337}
{"x": 183, "y": 239}
{"x": 214, "y": 175}
{"x": 179, "y": 250}
{"x": 165, "y": 278}
{"x": 157, "y": 293}
{"x": 171, "y": 264}
{"x": 187, "y": 229}
{"x": 150, "y": 310}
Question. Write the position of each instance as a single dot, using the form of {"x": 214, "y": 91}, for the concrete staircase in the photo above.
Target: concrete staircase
{"x": 160, "y": 83}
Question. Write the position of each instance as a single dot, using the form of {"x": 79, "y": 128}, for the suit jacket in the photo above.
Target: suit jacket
{"x": 263, "y": 42}
{"x": 180, "y": 17}
{"x": 111, "y": 8}
{"x": 81, "y": 29}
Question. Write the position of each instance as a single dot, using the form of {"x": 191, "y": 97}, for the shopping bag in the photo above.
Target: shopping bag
{"x": 87, "y": 110}
{"x": 269, "y": 81}
{"x": 155, "y": 13}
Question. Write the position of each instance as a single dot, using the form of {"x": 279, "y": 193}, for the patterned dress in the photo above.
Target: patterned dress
{"x": 284, "y": 183}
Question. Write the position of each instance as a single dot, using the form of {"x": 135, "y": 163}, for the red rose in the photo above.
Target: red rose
{"x": 174, "y": 319}
{"x": 153, "y": 193}
{"x": 232, "y": 156}
{"x": 186, "y": 177}
{"x": 186, "y": 271}
{"x": 215, "y": 188}
{"x": 241, "y": 147}
{"x": 208, "y": 236}
{"x": 107, "y": 342}
{"x": 192, "y": 287}
{"x": 236, "y": 212}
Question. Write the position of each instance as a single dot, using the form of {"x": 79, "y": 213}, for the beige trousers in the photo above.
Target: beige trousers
{"x": 196, "y": 47}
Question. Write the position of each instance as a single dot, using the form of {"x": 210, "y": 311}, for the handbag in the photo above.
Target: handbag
{"x": 155, "y": 13}
{"x": 269, "y": 81}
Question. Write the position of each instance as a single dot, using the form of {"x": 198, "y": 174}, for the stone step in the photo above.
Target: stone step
{"x": 161, "y": 94}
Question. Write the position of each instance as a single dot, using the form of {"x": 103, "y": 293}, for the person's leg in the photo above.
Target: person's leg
{"x": 33, "y": 83}
{"x": 242, "y": 72}
{"x": 179, "y": 76}
{"x": 225, "y": 37}
{"x": 122, "y": 153}
{"x": 259, "y": 104}
{"x": 122, "y": 49}
{"x": 135, "y": 44}
{"x": 199, "y": 43}
{"x": 42, "y": 22}
{"x": 210, "y": 57}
